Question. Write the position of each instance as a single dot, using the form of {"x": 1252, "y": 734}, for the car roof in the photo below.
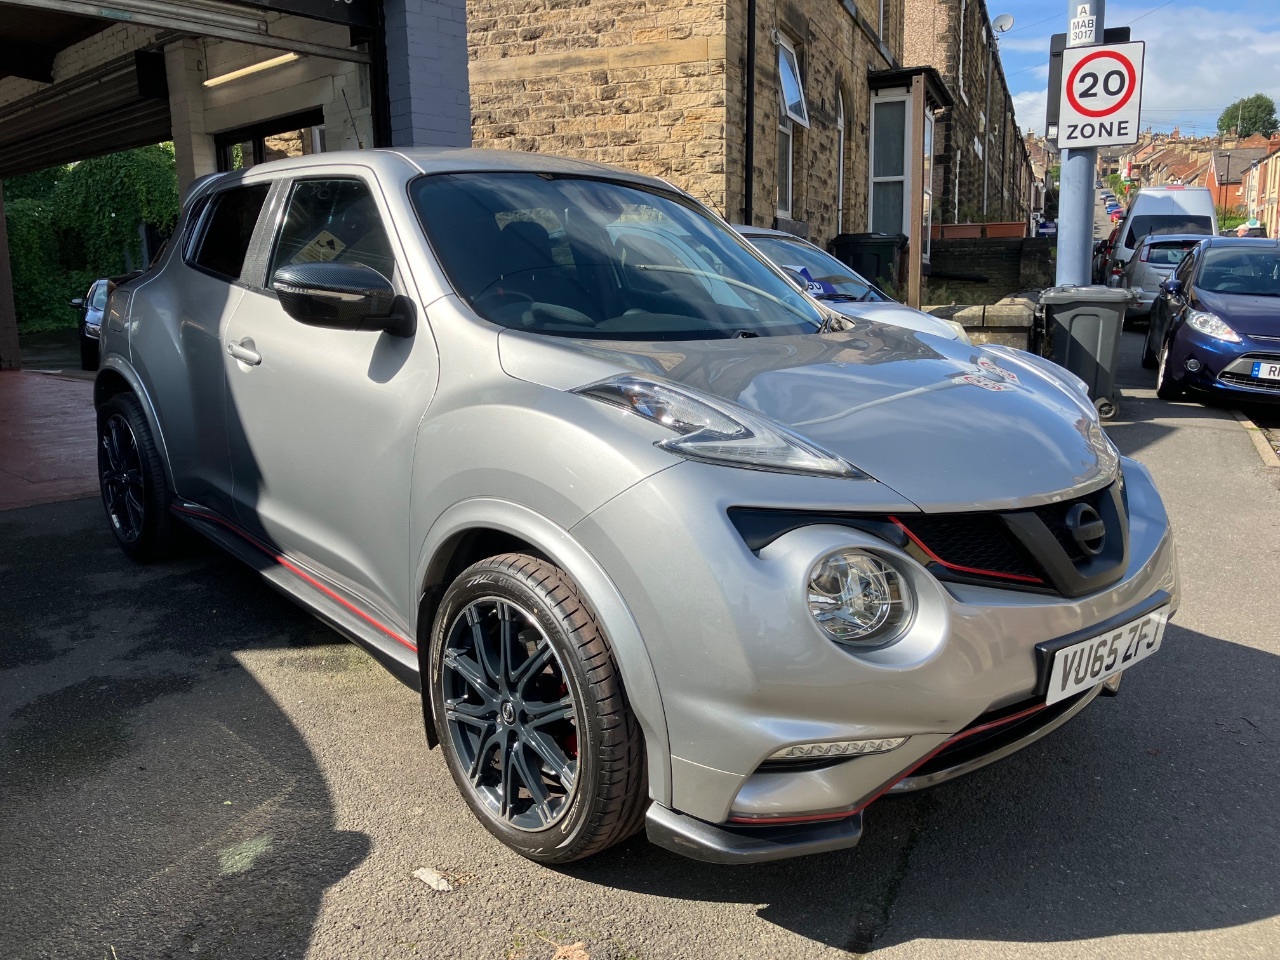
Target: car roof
{"x": 1263, "y": 242}
{"x": 1152, "y": 238}
{"x": 408, "y": 162}
{"x": 750, "y": 231}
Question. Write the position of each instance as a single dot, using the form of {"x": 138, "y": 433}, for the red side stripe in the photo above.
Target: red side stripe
{"x": 297, "y": 572}
{"x": 1023, "y": 578}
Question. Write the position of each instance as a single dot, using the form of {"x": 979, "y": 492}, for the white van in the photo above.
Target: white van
{"x": 1168, "y": 209}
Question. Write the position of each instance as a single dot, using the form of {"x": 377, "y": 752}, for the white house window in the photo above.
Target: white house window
{"x": 785, "y": 173}
{"x": 793, "y": 101}
{"x": 840, "y": 151}
{"x": 889, "y": 132}
{"x": 977, "y": 147}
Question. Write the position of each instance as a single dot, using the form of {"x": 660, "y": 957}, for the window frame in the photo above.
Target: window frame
{"x": 286, "y": 188}
{"x": 905, "y": 178}
{"x": 964, "y": 8}
{"x": 786, "y": 128}
{"x": 787, "y": 46}
{"x": 202, "y": 216}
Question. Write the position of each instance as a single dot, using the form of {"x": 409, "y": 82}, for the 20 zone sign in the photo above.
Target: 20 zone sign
{"x": 1101, "y": 95}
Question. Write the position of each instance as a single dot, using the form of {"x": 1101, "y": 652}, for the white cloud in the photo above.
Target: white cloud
{"x": 1197, "y": 62}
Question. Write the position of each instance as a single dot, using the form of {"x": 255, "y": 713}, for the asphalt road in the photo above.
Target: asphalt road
{"x": 192, "y": 767}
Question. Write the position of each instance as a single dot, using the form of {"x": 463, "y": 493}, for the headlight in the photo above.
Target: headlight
{"x": 718, "y": 431}
{"x": 961, "y": 333}
{"x": 860, "y": 599}
{"x": 1211, "y": 325}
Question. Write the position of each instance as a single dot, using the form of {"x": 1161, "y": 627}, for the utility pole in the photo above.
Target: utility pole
{"x": 1079, "y": 167}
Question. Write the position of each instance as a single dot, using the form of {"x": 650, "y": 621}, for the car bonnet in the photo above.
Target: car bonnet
{"x": 1251, "y": 316}
{"x": 946, "y": 425}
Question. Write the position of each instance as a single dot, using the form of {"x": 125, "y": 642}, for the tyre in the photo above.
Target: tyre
{"x": 1148, "y": 352}
{"x": 88, "y": 353}
{"x": 131, "y": 478}
{"x": 1166, "y": 387}
{"x": 532, "y": 718}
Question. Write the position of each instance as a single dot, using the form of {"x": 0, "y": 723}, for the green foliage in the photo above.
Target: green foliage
{"x": 70, "y": 225}
{"x": 1250, "y": 115}
{"x": 1230, "y": 217}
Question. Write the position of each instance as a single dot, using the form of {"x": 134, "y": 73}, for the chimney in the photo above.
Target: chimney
{"x": 1177, "y": 132}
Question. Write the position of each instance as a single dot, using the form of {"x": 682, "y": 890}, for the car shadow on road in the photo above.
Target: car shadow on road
{"x": 1149, "y": 813}
{"x": 156, "y": 801}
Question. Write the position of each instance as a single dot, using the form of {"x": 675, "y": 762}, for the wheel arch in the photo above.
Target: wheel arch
{"x": 116, "y": 377}
{"x": 474, "y": 529}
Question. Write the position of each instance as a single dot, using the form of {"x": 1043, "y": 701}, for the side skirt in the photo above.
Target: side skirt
{"x": 320, "y": 600}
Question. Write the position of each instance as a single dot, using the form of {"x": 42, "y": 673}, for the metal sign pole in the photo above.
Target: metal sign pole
{"x": 1079, "y": 167}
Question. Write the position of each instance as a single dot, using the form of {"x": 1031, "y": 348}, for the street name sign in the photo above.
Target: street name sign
{"x": 1101, "y": 95}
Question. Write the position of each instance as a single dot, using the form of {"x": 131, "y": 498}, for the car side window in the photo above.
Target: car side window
{"x": 226, "y": 230}
{"x": 1185, "y": 269}
{"x": 333, "y": 220}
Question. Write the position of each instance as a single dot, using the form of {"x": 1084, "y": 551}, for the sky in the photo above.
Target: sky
{"x": 1200, "y": 57}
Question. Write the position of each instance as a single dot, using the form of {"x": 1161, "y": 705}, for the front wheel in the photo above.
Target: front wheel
{"x": 531, "y": 713}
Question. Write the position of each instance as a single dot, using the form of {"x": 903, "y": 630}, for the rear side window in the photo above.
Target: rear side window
{"x": 1168, "y": 254}
{"x": 1158, "y": 223}
{"x": 227, "y": 228}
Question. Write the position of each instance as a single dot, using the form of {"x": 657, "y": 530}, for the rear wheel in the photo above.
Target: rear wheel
{"x": 531, "y": 714}
{"x": 1166, "y": 387}
{"x": 131, "y": 478}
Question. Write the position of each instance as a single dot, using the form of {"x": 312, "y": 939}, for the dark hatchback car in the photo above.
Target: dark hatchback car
{"x": 90, "y": 308}
{"x": 1215, "y": 328}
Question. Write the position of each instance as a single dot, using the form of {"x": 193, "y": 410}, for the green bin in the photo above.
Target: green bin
{"x": 1084, "y": 329}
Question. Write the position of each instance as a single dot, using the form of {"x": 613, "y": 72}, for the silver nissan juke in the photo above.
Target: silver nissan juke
{"x": 661, "y": 540}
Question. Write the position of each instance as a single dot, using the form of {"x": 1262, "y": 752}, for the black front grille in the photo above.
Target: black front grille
{"x": 1054, "y": 516}
{"x": 1244, "y": 380}
{"x": 977, "y": 542}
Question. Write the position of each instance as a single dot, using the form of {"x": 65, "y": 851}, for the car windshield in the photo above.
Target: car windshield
{"x": 573, "y": 256}
{"x": 1158, "y": 223}
{"x": 1252, "y": 273}
{"x": 826, "y": 275}
{"x": 98, "y": 300}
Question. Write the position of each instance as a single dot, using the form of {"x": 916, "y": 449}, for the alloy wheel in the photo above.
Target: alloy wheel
{"x": 120, "y": 473}
{"x": 510, "y": 714}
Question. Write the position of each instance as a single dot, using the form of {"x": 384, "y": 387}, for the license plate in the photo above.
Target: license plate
{"x": 1265, "y": 370}
{"x": 1084, "y": 665}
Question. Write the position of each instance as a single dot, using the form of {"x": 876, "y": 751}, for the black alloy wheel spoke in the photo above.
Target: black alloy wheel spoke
{"x": 120, "y": 469}
{"x": 518, "y": 749}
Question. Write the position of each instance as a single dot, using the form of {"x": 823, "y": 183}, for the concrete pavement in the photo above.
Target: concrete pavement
{"x": 193, "y": 767}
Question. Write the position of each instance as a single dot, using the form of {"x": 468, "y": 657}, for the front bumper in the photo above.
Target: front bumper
{"x": 1225, "y": 368}
{"x": 744, "y": 671}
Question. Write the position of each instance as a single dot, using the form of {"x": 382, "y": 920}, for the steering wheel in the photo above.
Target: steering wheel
{"x": 560, "y": 314}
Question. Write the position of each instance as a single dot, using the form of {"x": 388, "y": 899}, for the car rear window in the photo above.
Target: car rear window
{"x": 227, "y": 228}
{"x": 1168, "y": 254}
{"x": 817, "y": 267}
{"x": 1158, "y": 223}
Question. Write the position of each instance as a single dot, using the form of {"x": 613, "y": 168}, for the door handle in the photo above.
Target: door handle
{"x": 244, "y": 352}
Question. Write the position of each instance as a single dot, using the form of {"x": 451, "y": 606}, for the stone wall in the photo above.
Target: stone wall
{"x": 660, "y": 88}
{"x": 1008, "y": 266}
{"x": 606, "y": 80}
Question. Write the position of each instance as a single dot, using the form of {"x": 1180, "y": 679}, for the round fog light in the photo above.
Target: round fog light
{"x": 858, "y": 598}
{"x": 1192, "y": 365}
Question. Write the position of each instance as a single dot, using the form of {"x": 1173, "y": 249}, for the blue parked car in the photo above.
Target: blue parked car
{"x": 1215, "y": 328}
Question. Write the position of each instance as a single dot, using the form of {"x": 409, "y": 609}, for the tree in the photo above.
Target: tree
{"x": 1250, "y": 115}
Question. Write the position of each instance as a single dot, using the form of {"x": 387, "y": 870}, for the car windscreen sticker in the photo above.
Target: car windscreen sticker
{"x": 322, "y": 248}
{"x": 814, "y": 287}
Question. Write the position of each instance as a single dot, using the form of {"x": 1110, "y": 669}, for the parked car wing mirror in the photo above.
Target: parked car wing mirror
{"x": 77, "y": 303}
{"x": 343, "y": 296}
{"x": 1172, "y": 287}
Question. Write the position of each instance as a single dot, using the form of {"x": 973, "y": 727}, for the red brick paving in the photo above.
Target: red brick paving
{"x": 48, "y": 447}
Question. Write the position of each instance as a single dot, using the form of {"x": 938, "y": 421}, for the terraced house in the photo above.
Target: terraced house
{"x": 770, "y": 111}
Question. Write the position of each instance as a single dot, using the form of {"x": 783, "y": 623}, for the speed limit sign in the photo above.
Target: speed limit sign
{"x": 1101, "y": 95}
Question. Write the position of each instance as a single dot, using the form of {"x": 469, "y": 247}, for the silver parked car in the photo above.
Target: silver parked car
{"x": 1154, "y": 260}
{"x": 660, "y": 544}
{"x": 842, "y": 288}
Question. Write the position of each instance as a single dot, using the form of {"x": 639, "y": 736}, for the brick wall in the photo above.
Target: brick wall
{"x": 1008, "y": 266}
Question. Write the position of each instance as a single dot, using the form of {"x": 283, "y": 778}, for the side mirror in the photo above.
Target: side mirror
{"x": 1171, "y": 287}
{"x": 344, "y": 296}
{"x": 77, "y": 303}
{"x": 797, "y": 279}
